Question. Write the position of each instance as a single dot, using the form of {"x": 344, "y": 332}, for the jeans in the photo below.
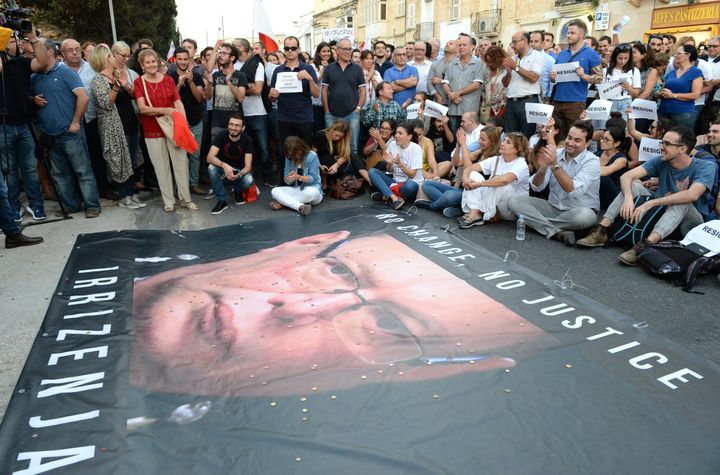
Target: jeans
{"x": 354, "y": 120}
{"x": 21, "y": 146}
{"x": 382, "y": 182}
{"x": 7, "y": 218}
{"x": 442, "y": 195}
{"x": 620, "y": 105}
{"x": 95, "y": 154}
{"x": 686, "y": 119}
{"x": 257, "y": 127}
{"x": 68, "y": 158}
{"x": 218, "y": 180}
{"x": 194, "y": 158}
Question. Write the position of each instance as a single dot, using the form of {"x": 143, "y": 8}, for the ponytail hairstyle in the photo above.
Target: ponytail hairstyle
{"x": 619, "y": 135}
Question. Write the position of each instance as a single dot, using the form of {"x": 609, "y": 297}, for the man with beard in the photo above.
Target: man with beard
{"x": 382, "y": 64}
{"x": 228, "y": 91}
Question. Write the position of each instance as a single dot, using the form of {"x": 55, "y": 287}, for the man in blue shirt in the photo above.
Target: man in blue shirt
{"x": 403, "y": 77}
{"x": 62, "y": 100}
{"x": 684, "y": 185}
{"x": 295, "y": 112}
{"x": 569, "y": 97}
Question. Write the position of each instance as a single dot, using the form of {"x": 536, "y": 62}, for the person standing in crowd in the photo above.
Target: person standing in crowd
{"x": 569, "y": 97}
{"x": 402, "y": 77}
{"x": 295, "y": 113}
{"x": 372, "y": 77}
{"x": 259, "y": 49}
{"x": 62, "y": 100}
{"x": 87, "y": 48}
{"x": 573, "y": 175}
{"x": 683, "y": 85}
{"x": 684, "y": 187}
{"x": 72, "y": 57}
{"x": 434, "y": 49}
{"x": 712, "y": 101}
{"x": 105, "y": 89}
{"x": 462, "y": 82}
{"x": 191, "y": 86}
{"x": 494, "y": 83}
{"x": 549, "y": 44}
{"x": 669, "y": 44}
{"x": 655, "y": 43}
{"x": 621, "y": 68}
{"x": 303, "y": 188}
{"x": 536, "y": 43}
{"x": 254, "y": 113}
{"x": 18, "y": 146}
{"x": 644, "y": 60}
{"x": 437, "y": 73}
{"x": 605, "y": 48}
{"x": 482, "y": 47}
{"x": 343, "y": 92}
{"x": 323, "y": 57}
{"x": 229, "y": 87}
{"x": 141, "y": 44}
{"x": 156, "y": 96}
{"x": 522, "y": 83}
{"x": 422, "y": 64}
{"x": 382, "y": 63}
{"x": 10, "y": 228}
{"x": 230, "y": 163}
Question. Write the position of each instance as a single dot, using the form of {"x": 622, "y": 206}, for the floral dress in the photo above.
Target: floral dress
{"x": 112, "y": 135}
{"x": 495, "y": 91}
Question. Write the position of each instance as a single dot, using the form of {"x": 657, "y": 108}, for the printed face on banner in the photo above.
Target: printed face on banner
{"x": 308, "y": 312}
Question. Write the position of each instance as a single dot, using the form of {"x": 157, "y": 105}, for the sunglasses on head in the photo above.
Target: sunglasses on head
{"x": 291, "y": 48}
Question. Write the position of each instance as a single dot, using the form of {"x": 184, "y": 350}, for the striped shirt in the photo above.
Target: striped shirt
{"x": 585, "y": 172}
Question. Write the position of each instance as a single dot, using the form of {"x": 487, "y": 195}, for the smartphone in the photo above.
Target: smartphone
{"x": 299, "y": 171}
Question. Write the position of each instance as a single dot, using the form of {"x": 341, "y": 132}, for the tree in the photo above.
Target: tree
{"x": 89, "y": 20}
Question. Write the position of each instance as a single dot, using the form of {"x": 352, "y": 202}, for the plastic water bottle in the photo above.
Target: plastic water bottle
{"x": 520, "y": 228}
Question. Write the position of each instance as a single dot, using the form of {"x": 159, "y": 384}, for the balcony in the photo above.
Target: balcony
{"x": 572, "y": 3}
{"x": 424, "y": 30}
{"x": 486, "y": 22}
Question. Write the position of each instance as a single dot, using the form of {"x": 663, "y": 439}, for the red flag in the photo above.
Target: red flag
{"x": 270, "y": 44}
{"x": 262, "y": 26}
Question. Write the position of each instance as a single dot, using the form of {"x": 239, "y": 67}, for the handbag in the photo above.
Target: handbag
{"x": 346, "y": 187}
{"x": 167, "y": 124}
{"x": 175, "y": 128}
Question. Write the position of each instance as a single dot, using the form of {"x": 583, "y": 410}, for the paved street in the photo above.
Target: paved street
{"x": 29, "y": 275}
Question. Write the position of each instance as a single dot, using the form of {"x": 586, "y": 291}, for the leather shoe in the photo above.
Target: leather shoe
{"x": 566, "y": 237}
{"x": 19, "y": 239}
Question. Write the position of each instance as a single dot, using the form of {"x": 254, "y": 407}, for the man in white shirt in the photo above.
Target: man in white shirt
{"x": 536, "y": 43}
{"x": 522, "y": 83}
{"x": 422, "y": 64}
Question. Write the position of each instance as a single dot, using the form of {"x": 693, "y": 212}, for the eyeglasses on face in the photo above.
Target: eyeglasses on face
{"x": 72, "y": 50}
{"x": 667, "y": 143}
{"x": 343, "y": 49}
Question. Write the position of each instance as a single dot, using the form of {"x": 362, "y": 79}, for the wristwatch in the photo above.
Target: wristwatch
{"x": 555, "y": 167}
{"x": 517, "y": 68}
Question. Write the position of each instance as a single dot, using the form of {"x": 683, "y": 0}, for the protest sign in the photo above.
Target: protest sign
{"x": 337, "y": 34}
{"x": 538, "y": 113}
{"x": 433, "y": 109}
{"x": 649, "y": 148}
{"x": 642, "y": 109}
{"x": 288, "y": 82}
{"x": 599, "y": 110}
{"x": 610, "y": 89}
{"x": 566, "y": 72}
{"x": 412, "y": 110}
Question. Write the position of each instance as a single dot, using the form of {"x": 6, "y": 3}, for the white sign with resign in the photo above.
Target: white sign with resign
{"x": 538, "y": 113}
{"x": 649, "y": 148}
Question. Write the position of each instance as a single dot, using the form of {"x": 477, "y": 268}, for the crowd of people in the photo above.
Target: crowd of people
{"x": 300, "y": 122}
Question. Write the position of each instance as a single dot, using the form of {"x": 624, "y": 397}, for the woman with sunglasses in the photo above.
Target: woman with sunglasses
{"x": 683, "y": 85}
{"x": 403, "y": 159}
{"x": 621, "y": 68}
{"x": 613, "y": 163}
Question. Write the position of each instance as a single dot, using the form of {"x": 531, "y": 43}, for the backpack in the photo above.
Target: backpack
{"x": 682, "y": 262}
{"x": 625, "y": 234}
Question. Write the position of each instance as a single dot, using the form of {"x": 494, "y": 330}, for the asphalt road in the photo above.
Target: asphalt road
{"x": 30, "y": 275}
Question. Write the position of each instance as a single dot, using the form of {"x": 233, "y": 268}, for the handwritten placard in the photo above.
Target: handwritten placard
{"x": 649, "y": 148}
{"x": 642, "y": 109}
{"x": 538, "y": 113}
{"x": 433, "y": 109}
{"x": 599, "y": 110}
{"x": 610, "y": 89}
{"x": 412, "y": 111}
{"x": 565, "y": 72}
{"x": 288, "y": 82}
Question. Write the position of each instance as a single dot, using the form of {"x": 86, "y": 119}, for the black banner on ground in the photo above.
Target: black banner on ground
{"x": 371, "y": 343}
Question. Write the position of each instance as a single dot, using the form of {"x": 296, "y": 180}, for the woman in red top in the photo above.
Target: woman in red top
{"x": 156, "y": 96}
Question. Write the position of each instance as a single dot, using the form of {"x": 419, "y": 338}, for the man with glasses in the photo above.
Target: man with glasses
{"x": 422, "y": 64}
{"x": 402, "y": 77}
{"x": 462, "y": 82}
{"x": 228, "y": 91}
{"x": 382, "y": 64}
{"x": 343, "y": 91}
{"x": 295, "y": 113}
{"x": 684, "y": 185}
{"x": 522, "y": 83}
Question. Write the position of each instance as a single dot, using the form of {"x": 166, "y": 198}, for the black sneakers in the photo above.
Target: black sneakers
{"x": 219, "y": 207}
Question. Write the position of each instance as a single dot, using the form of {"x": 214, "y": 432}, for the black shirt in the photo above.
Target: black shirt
{"x": 225, "y": 105}
{"x": 439, "y": 140}
{"x": 193, "y": 108}
{"x": 16, "y": 95}
{"x": 343, "y": 84}
{"x": 232, "y": 153}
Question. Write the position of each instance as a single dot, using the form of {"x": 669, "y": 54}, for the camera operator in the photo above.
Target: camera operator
{"x": 16, "y": 139}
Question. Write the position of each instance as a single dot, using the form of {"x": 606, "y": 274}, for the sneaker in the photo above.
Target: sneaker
{"x": 219, "y": 207}
{"x": 127, "y": 202}
{"x": 17, "y": 215}
{"x": 189, "y": 205}
{"x": 425, "y": 204}
{"x": 377, "y": 196}
{"x": 304, "y": 209}
{"x": 197, "y": 190}
{"x": 398, "y": 203}
{"x": 566, "y": 237}
{"x": 239, "y": 197}
{"x": 92, "y": 213}
{"x": 598, "y": 237}
{"x": 209, "y": 195}
{"x": 38, "y": 214}
{"x": 136, "y": 199}
{"x": 630, "y": 257}
{"x": 452, "y": 212}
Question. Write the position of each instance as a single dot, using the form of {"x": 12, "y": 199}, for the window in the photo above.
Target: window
{"x": 454, "y": 10}
{"x": 362, "y": 15}
{"x": 374, "y": 10}
{"x": 410, "y": 18}
{"x": 383, "y": 10}
{"x": 401, "y": 8}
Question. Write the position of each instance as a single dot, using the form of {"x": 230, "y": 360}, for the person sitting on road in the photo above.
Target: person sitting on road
{"x": 431, "y": 168}
{"x": 302, "y": 177}
{"x": 332, "y": 146}
{"x": 613, "y": 163}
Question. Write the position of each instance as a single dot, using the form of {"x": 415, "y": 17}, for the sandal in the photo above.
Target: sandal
{"x": 275, "y": 205}
{"x": 169, "y": 209}
{"x": 468, "y": 222}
